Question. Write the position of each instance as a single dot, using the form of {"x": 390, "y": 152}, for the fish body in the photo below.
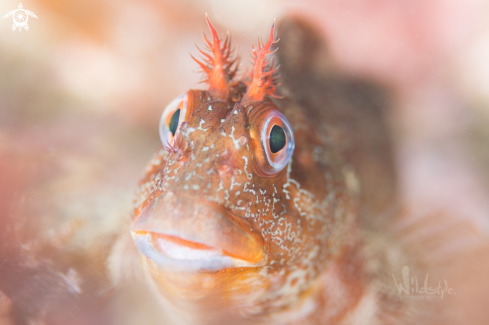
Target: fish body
{"x": 255, "y": 210}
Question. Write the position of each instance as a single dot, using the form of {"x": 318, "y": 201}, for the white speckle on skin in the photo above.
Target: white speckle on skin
{"x": 235, "y": 141}
{"x": 209, "y": 108}
{"x": 233, "y": 183}
{"x": 200, "y": 125}
{"x": 248, "y": 189}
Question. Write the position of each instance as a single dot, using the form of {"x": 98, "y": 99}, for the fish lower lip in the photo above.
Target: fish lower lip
{"x": 169, "y": 252}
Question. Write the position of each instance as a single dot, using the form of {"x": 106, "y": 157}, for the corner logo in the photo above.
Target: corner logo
{"x": 20, "y": 17}
{"x": 411, "y": 290}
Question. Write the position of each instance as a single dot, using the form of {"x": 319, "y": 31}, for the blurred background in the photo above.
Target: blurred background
{"x": 82, "y": 91}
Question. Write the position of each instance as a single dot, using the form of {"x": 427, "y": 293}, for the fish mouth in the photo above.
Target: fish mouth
{"x": 184, "y": 234}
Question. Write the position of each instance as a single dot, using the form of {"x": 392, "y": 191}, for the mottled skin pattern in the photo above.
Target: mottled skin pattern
{"x": 306, "y": 216}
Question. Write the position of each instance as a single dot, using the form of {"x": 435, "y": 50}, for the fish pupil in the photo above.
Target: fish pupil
{"x": 277, "y": 139}
{"x": 174, "y": 122}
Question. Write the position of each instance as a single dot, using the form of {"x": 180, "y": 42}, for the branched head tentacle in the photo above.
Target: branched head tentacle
{"x": 219, "y": 64}
{"x": 262, "y": 77}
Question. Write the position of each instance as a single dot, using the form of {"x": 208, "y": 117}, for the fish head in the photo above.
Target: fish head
{"x": 219, "y": 212}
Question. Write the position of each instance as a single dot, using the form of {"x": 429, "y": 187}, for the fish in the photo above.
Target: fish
{"x": 273, "y": 200}
{"x": 260, "y": 207}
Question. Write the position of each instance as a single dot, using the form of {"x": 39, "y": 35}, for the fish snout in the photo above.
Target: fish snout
{"x": 188, "y": 234}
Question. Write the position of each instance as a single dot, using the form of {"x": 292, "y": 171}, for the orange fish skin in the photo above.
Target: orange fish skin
{"x": 305, "y": 216}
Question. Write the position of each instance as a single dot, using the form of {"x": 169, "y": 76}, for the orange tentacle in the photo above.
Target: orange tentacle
{"x": 219, "y": 68}
{"x": 262, "y": 77}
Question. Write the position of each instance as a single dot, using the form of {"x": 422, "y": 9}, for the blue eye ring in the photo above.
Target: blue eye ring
{"x": 279, "y": 159}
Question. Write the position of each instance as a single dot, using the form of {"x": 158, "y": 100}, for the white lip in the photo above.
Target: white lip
{"x": 184, "y": 253}
{"x": 168, "y": 255}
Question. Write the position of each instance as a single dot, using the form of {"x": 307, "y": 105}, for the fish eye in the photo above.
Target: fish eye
{"x": 172, "y": 118}
{"x": 174, "y": 122}
{"x": 277, "y": 141}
